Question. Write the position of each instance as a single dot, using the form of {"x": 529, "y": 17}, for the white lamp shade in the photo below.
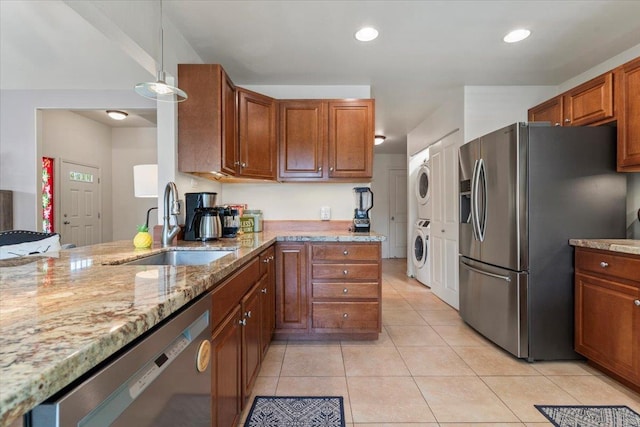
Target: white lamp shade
{"x": 145, "y": 180}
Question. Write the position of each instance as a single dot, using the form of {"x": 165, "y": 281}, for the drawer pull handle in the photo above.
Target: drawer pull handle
{"x": 345, "y": 272}
{"x": 264, "y": 291}
{"x": 637, "y": 302}
{"x": 345, "y": 290}
{"x": 345, "y": 315}
{"x": 243, "y": 322}
{"x": 346, "y": 252}
{"x": 604, "y": 264}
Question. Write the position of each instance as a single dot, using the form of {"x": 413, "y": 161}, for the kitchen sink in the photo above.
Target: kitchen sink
{"x": 180, "y": 257}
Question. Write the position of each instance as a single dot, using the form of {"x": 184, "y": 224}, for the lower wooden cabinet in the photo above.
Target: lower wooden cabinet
{"x": 607, "y": 312}
{"x": 251, "y": 326}
{"x": 226, "y": 353}
{"x": 267, "y": 297}
{"x": 292, "y": 305}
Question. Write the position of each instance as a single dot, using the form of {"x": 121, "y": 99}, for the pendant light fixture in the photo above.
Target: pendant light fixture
{"x": 160, "y": 90}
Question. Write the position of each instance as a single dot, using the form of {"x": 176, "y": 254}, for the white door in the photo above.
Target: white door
{"x": 79, "y": 204}
{"x": 397, "y": 213}
{"x": 444, "y": 225}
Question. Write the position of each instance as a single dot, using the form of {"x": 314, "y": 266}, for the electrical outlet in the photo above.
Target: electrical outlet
{"x": 325, "y": 213}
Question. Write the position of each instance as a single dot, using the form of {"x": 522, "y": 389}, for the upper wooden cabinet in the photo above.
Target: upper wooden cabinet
{"x": 591, "y": 102}
{"x": 628, "y": 113}
{"x": 326, "y": 140}
{"x": 257, "y": 135}
{"x": 207, "y": 120}
{"x": 610, "y": 97}
{"x": 548, "y": 111}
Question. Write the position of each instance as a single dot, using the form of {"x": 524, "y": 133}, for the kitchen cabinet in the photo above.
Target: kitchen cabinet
{"x": 207, "y": 138}
{"x": 291, "y": 289}
{"x": 345, "y": 283}
{"x": 324, "y": 140}
{"x": 548, "y": 111}
{"x": 226, "y": 351}
{"x": 351, "y": 132}
{"x": 257, "y": 135}
{"x": 590, "y": 102}
{"x": 628, "y": 113}
{"x": 267, "y": 296}
{"x": 251, "y": 325}
{"x": 607, "y": 312}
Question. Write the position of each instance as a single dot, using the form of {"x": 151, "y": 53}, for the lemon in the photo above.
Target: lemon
{"x": 143, "y": 238}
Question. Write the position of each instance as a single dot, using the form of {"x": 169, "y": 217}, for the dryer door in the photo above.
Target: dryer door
{"x": 419, "y": 253}
{"x": 423, "y": 178}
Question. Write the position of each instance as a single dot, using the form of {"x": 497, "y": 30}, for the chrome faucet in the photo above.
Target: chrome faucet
{"x": 170, "y": 198}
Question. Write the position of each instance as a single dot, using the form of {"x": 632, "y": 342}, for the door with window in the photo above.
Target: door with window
{"x": 79, "y": 204}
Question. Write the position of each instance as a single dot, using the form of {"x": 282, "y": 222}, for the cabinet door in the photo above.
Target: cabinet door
{"x": 607, "y": 324}
{"x": 230, "y": 161}
{"x": 291, "y": 287}
{"x": 226, "y": 371}
{"x": 351, "y": 131}
{"x": 268, "y": 297}
{"x": 251, "y": 336}
{"x": 200, "y": 121}
{"x": 628, "y": 112}
{"x": 257, "y": 132}
{"x": 302, "y": 139}
{"x": 548, "y": 111}
{"x": 590, "y": 102}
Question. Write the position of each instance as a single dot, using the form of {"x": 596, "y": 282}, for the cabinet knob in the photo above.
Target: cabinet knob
{"x": 567, "y": 120}
{"x": 271, "y": 258}
{"x": 266, "y": 260}
{"x": 637, "y": 302}
{"x": 345, "y": 315}
{"x": 345, "y": 272}
{"x": 346, "y": 252}
{"x": 345, "y": 290}
{"x": 556, "y": 124}
{"x": 243, "y": 322}
{"x": 319, "y": 168}
{"x": 331, "y": 169}
{"x": 236, "y": 163}
{"x": 248, "y": 314}
{"x": 604, "y": 264}
{"x": 264, "y": 291}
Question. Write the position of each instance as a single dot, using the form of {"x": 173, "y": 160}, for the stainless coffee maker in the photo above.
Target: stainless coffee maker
{"x": 202, "y": 219}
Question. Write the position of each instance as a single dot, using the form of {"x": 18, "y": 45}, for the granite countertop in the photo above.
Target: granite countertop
{"x": 62, "y": 315}
{"x": 625, "y": 246}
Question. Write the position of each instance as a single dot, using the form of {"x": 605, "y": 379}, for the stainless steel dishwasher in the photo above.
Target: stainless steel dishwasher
{"x": 164, "y": 380}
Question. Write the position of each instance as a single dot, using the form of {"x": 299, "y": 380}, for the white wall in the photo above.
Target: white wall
{"x": 381, "y": 196}
{"x": 19, "y": 151}
{"x": 69, "y": 136}
{"x": 129, "y": 147}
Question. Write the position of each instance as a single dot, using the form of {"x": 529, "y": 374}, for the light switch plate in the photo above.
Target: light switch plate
{"x": 325, "y": 213}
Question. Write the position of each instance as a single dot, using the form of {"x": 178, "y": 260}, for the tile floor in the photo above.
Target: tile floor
{"x": 429, "y": 369}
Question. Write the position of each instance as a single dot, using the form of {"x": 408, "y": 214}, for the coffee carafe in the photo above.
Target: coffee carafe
{"x": 200, "y": 213}
{"x": 209, "y": 227}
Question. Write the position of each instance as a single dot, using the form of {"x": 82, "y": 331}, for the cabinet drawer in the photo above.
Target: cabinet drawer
{"x": 345, "y": 252}
{"x": 608, "y": 263}
{"x": 345, "y": 315}
{"x": 345, "y": 271}
{"x": 345, "y": 290}
{"x": 228, "y": 294}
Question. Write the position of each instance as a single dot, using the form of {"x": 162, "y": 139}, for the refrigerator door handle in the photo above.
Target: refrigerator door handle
{"x": 474, "y": 201}
{"x": 486, "y": 273}
{"x": 482, "y": 219}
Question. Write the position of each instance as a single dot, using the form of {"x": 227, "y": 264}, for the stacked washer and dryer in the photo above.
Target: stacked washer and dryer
{"x": 421, "y": 229}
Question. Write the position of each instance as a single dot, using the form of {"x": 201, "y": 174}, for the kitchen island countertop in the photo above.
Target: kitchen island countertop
{"x": 60, "y": 316}
{"x": 627, "y": 246}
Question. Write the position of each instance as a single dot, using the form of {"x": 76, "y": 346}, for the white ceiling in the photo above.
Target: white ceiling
{"x": 425, "y": 48}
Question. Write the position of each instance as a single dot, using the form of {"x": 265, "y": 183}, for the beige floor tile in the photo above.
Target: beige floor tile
{"x": 538, "y": 424}
{"x": 481, "y": 425}
{"x": 592, "y": 390}
{"x": 565, "y": 367}
{"x": 396, "y": 425}
{"x": 415, "y": 336}
{"x": 312, "y": 361}
{"x": 434, "y": 361}
{"x": 373, "y": 362}
{"x": 387, "y": 400}
{"x": 521, "y": 393}
{"x": 272, "y": 363}
{"x": 265, "y": 386}
{"x": 383, "y": 341}
{"x": 401, "y": 317}
{"x": 460, "y": 335}
{"x": 463, "y": 399}
{"x": 316, "y": 386}
{"x": 491, "y": 360}
{"x": 426, "y": 302}
{"x": 441, "y": 317}
{"x": 395, "y": 302}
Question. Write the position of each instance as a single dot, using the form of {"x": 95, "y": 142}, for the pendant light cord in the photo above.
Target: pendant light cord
{"x": 161, "y": 39}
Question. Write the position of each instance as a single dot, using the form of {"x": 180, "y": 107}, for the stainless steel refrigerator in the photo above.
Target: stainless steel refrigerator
{"x": 525, "y": 190}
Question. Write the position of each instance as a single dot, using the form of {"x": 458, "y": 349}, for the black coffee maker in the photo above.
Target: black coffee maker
{"x": 201, "y": 207}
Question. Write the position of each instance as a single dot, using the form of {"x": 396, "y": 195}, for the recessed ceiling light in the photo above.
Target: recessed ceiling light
{"x": 117, "y": 115}
{"x": 366, "y": 34}
{"x": 379, "y": 139}
{"x": 516, "y": 35}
